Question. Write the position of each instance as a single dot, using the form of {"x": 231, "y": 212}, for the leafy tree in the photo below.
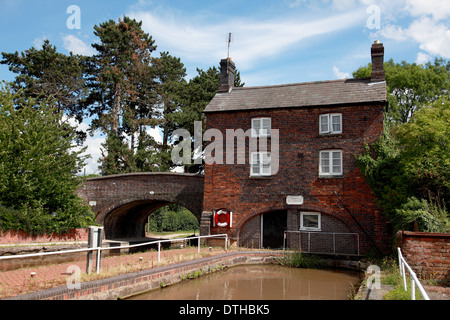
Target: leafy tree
{"x": 124, "y": 53}
{"x": 199, "y": 92}
{"x": 408, "y": 170}
{"x": 47, "y": 74}
{"x": 425, "y": 150}
{"x": 423, "y": 215}
{"x": 37, "y": 168}
{"x": 411, "y": 85}
{"x": 122, "y": 87}
{"x": 170, "y": 73}
{"x": 172, "y": 218}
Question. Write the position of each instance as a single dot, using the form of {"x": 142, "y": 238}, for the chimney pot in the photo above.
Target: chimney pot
{"x": 377, "y": 52}
{"x": 227, "y": 72}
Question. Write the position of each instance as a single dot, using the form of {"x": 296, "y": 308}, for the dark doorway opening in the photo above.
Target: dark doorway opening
{"x": 274, "y": 225}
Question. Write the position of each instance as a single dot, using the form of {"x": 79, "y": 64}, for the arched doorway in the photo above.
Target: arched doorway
{"x": 264, "y": 230}
{"x": 273, "y": 225}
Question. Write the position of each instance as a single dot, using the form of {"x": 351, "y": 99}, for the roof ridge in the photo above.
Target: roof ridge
{"x": 302, "y": 83}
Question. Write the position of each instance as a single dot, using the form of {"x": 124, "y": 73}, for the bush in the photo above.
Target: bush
{"x": 429, "y": 216}
{"x": 38, "y": 163}
{"x": 301, "y": 260}
{"x": 36, "y": 221}
{"x": 172, "y": 218}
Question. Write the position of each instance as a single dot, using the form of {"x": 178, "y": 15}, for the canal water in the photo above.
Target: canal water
{"x": 262, "y": 282}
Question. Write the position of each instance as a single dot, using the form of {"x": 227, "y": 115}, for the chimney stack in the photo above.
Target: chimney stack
{"x": 377, "y": 61}
{"x": 227, "y": 71}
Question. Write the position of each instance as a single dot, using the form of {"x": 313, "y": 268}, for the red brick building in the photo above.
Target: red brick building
{"x": 313, "y": 189}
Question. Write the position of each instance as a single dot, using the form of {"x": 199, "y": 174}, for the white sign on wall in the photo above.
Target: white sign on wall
{"x": 294, "y": 200}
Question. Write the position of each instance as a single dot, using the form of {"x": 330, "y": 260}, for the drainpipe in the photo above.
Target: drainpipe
{"x": 359, "y": 225}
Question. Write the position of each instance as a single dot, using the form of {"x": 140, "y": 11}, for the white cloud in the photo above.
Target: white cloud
{"x": 339, "y": 74}
{"x": 77, "y": 46}
{"x": 438, "y": 9}
{"x": 343, "y": 4}
{"x": 199, "y": 41}
{"x": 434, "y": 38}
{"x": 423, "y": 58}
{"x": 394, "y": 32}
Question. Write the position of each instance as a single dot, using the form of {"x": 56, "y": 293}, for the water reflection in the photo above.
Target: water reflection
{"x": 262, "y": 282}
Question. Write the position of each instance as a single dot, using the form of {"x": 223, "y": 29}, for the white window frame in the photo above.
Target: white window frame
{"x": 319, "y": 222}
{"x": 330, "y": 157}
{"x": 258, "y": 127}
{"x": 263, "y": 169}
{"x": 326, "y": 121}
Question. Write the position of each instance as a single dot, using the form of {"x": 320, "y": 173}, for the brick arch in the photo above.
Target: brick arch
{"x": 122, "y": 203}
{"x": 246, "y": 229}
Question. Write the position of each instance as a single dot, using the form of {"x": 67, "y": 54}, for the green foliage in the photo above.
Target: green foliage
{"x": 47, "y": 75}
{"x": 430, "y": 216}
{"x": 408, "y": 169}
{"x": 37, "y": 167}
{"x": 197, "y": 94}
{"x": 410, "y": 86}
{"x": 122, "y": 82}
{"x": 399, "y": 292}
{"x": 381, "y": 167}
{"x": 301, "y": 260}
{"x": 425, "y": 149}
{"x": 172, "y": 218}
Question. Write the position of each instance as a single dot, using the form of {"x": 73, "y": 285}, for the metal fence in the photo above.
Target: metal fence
{"x": 414, "y": 281}
{"x": 322, "y": 242}
{"x": 98, "y": 248}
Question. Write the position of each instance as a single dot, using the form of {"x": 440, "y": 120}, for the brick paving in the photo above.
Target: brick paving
{"x": 21, "y": 281}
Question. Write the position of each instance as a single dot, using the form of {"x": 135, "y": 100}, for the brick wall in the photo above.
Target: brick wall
{"x": 18, "y": 237}
{"x": 230, "y": 185}
{"x": 122, "y": 203}
{"x": 428, "y": 254}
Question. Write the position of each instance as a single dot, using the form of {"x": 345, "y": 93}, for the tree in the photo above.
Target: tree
{"x": 38, "y": 164}
{"x": 408, "y": 169}
{"x": 123, "y": 87}
{"x": 411, "y": 85}
{"x": 425, "y": 150}
{"x": 47, "y": 74}
{"x": 170, "y": 73}
{"x": 172, "y": 218}
{"x": 198, "y": 94}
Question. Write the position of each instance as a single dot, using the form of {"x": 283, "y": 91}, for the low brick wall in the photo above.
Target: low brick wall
{"x": 428, "y": 254}
{"x": 21, "y": 237}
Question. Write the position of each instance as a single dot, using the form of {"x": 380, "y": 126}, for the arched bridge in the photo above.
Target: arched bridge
{"x": 122, "y": 203}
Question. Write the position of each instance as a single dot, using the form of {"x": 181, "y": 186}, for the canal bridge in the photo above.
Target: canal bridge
{"x": 122, "y": 203}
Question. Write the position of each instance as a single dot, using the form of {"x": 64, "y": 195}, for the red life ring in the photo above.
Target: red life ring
{"x": 227, "y": 215}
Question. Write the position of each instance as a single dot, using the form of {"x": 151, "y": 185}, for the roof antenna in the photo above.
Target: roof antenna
{"x": 229, "y": 40}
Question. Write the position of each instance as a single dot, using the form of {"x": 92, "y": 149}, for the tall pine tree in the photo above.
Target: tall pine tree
{"x": 123, "y": 90}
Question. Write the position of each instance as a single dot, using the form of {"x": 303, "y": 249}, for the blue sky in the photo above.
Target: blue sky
{"x": 274, "y": 41}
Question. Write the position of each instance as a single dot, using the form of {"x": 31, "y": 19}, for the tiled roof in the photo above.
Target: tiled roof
{"x": 320, "y": 93}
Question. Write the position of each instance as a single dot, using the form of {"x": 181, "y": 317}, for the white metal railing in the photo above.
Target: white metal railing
{"x": 99, "y": 249}
{"x": 414, "y": 281}
{"x": 332, "y": 234}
